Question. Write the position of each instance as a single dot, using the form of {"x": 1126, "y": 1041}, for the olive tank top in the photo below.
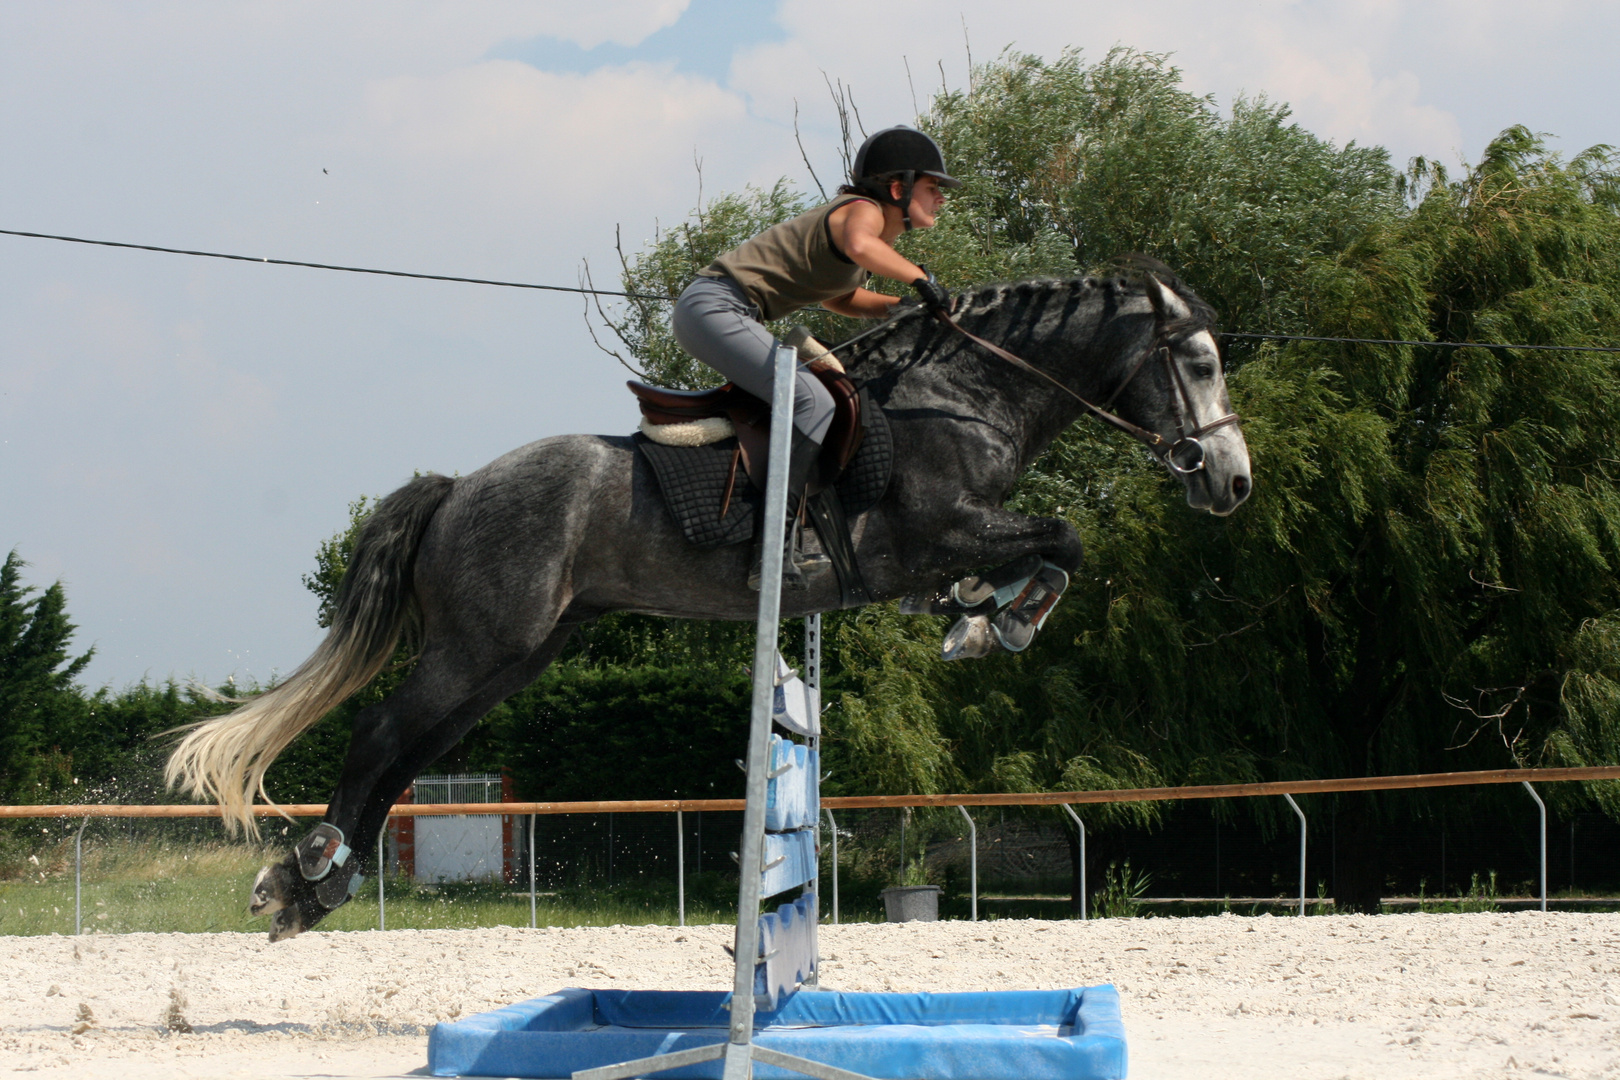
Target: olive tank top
{"x": 792, "y": 265}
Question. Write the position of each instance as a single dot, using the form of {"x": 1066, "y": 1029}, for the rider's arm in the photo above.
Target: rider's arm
{"x": 857, "y": 229}
{"x": 861, "y": 304}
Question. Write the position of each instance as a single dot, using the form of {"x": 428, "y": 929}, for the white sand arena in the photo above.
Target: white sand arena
{"x": 1385, "y": 998}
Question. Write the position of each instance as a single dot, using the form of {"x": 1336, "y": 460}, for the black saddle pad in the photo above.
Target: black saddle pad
{"x": 693, "y": 482}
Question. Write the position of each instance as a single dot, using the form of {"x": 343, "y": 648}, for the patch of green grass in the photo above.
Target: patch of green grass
{"x": 1481, "y": 896}
{"x": 1121, "y": 894}
{"x": 160, "y": 888}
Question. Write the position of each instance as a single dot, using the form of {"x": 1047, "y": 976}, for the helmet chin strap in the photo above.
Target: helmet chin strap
{"x": 910, "y": 178}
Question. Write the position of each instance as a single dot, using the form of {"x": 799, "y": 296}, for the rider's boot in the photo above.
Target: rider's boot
{"x": 801, "y": 464}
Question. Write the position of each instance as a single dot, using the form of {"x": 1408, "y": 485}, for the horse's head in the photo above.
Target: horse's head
{"x": 1137, "y": 350}
{"x": 1175, "y": 389}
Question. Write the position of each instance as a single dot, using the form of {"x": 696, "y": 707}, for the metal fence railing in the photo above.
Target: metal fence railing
{"x": 690, "y": 843}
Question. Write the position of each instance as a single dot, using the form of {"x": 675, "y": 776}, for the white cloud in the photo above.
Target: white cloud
{"x": 1338, "y": 96}
{"x": 534, "y": 126}
{"x": 141, "y": 388}
{"x": 1422, "y": 78}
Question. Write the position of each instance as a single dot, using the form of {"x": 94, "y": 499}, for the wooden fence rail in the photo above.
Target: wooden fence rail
{"x": 850, "y": 802}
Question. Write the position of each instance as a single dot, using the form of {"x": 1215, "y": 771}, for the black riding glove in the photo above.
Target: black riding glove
{"x": 932, "y": 293}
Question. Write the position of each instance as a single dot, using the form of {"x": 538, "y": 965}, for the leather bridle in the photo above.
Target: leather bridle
{"x": 1185, "y": 455}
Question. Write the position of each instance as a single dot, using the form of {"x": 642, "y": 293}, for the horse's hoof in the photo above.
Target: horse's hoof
{"x": 286, "y": 923}
{"x": 969, "y": 639}
{"x": 304, "y": 911}
{"x": 271, "y": 891}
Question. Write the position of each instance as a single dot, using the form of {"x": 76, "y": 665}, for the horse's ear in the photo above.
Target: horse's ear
{"x": 1155, "y": 293}
{"x": 1167, "y": 306}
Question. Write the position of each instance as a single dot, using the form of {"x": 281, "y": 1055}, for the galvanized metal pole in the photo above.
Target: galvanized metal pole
{"x": 832, "y": 827}
{"x": 973, "y": 860}
{"x": 1301, "y": 814}
{"x": 1543, "y": 807}
{"x": 1082, "y": 827}
{"x": 812, "y": 703}
{"x": 739, "y": 1049}
{"x": 680, "y": 866}
{"x": 78, "y": 863}
{"x": 812, "y": 667}
{"x": 533, "y": 922}
{"x": 382, "y": 872}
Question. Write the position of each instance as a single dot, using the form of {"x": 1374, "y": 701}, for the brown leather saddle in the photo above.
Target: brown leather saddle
{"x": 752, "y": 419}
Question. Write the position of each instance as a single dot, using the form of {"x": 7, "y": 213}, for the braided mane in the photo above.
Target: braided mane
{"x": 1128, "y": 277}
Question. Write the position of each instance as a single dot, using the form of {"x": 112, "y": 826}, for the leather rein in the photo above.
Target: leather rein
{"x": 1184, "y": 456}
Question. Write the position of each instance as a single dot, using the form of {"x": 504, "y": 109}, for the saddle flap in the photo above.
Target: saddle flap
{"x": 714, "y": 507}
{"x": 844, "y": 436}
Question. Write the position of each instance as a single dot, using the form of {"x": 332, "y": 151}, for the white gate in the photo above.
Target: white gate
{"x": 472, "y": 847}
{"x": 459, "y": 848}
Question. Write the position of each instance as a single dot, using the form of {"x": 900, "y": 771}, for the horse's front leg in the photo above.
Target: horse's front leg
{"x": 970, "y": 537}
{"x": 1030, "y": 562}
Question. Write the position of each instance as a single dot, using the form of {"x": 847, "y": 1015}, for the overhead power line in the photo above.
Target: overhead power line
{"x": 1432, "y": 344}
{"x": 580, "y": 290}
{"x": 330, "y": 266}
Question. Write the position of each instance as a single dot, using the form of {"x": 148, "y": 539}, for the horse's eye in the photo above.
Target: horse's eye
{"x": 1203, "y": 371}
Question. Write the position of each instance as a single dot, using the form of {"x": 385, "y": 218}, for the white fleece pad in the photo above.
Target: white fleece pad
{"x": 691, "y": 433}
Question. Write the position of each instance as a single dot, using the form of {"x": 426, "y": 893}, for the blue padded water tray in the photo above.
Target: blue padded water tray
{"x": 1009, "y": 1035}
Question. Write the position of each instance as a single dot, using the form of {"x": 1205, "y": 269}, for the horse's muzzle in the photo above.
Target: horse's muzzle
{"x": 1219, "y": 485}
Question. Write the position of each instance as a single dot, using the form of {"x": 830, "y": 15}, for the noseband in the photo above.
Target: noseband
{"x": 1185, "y": 456}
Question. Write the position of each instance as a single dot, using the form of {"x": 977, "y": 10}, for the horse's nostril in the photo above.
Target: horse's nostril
{"x": 1240, "y": 486}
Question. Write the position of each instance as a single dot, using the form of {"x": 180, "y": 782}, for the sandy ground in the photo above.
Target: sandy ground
{"x": 1387, "y": 997}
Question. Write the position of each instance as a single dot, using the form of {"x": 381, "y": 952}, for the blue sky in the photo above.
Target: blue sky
{"x": 700, "y": 42}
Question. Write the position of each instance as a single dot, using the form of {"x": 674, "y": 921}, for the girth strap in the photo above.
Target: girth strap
{"x": 826, "y": 512}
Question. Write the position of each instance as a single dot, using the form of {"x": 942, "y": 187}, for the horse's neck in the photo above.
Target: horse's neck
{"x": 927, "y": 366}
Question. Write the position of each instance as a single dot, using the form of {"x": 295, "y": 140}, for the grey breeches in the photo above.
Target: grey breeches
{"x": 716, "y": 322}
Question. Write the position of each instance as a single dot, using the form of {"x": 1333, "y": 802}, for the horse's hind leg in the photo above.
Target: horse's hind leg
{"x": 391, "y": 742}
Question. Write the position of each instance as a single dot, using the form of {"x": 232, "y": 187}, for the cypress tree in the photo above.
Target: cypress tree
{"x": 38, "y": 698}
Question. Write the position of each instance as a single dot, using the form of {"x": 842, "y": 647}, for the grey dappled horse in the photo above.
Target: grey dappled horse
{"x": 492, "y": 572}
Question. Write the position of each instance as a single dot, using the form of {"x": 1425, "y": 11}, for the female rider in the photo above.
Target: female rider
{"x": 821, "y": 257}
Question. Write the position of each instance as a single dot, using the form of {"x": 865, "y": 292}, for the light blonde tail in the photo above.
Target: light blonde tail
{"x": 224, "y": 759}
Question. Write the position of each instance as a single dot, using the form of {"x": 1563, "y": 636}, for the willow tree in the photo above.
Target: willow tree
{"x": 1425, "y": 577}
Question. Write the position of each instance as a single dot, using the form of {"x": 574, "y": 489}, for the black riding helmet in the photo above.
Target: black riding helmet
{"x": 898, "y": 153}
